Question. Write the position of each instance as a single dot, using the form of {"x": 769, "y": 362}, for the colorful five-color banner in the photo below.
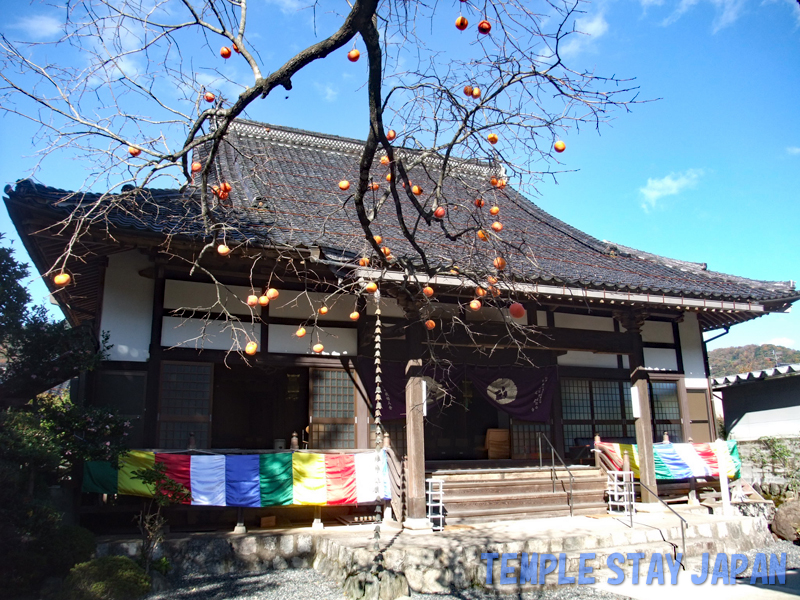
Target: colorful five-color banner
{"x": 680, "y": 461}
{"x": 252, "y": 480}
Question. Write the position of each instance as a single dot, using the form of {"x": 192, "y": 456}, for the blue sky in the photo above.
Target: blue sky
{"x": 708, "y": 172}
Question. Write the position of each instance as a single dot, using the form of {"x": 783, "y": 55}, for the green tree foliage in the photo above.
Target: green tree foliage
{"x": 13, "y": 295}
{"x": 742, "y": 359}
{"x": 37, "y": 352}
{"x": 40, "y": 445}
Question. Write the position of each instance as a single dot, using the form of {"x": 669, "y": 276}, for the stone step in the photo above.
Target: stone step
{"x": 487, "y": 514}
{"x": 590, "y": 508}
{"x": 466, "y": 488}
{"x": 521, "y": 500}
{"x": 513, "y": 474}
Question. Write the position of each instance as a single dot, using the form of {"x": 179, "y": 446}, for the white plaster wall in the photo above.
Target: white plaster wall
{"x": 302, "y": 305}
{"x": 208, "y": 297}
{"x": 588, "y": 359}
{"x": 336, "y": 340}
{"x": 584, "y": 322}
{"x": 541, "y": 318}
{"x": 777, "y": 422}
{"x": 127, "y": 306}
{"x": 208, "y": 335}
{"x": 663, "y": 359}
{"x": 657, "y": 331}
{"x": 694, "y": 366}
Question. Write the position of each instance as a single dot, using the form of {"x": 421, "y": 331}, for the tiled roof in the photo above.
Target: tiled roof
{"x": 285, "y": 193}
{"x": 782, "y": 371}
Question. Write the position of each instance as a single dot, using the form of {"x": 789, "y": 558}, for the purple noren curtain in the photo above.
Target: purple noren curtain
{"x": 525, "y": 394}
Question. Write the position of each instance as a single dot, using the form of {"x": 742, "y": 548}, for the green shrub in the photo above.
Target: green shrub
{"x": 162, "y": 565}
{"x": 107, "y": 578}
{"x": 67, "y": 546}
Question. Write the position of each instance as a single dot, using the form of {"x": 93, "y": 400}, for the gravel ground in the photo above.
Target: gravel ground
{"x": 305, "y": 584}
{"x": 792, "y": 555}
{"x": 288, "y": 584}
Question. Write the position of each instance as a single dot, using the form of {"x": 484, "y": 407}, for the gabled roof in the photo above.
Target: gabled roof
{"x": 286, "y": 194}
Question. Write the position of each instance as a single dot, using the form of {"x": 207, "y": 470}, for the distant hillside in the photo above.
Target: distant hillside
{"x": 730, "y": 361}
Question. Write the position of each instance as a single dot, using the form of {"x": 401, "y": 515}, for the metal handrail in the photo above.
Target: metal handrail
{"x": 604, "y": 459}
{"x": 553, "y": 454}
{"x": 684, "y": 522}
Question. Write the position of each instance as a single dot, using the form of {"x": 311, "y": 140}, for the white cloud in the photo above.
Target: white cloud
{"x": 40, "y": 27}
{"x": 793, "y": 150}
{"x": 782, "y": 341}
{"x": 587, "y": 30}
{"x": 671, "y": 185}
{"x": 727, "y": 12}
{"x": 327, "y": 91}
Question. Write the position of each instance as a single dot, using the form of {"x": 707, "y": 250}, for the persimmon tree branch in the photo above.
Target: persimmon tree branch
{"x": 522, "y": 96}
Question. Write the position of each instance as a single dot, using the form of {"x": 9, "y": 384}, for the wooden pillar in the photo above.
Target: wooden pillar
{"x": 416, "y": 513}
{"x": 415, "y": 444}
{"x": 640, "y": 393}
{"x": 154, "y": 361}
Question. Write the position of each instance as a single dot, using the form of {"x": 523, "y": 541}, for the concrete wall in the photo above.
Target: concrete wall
{"x": 769, "y": 407}
{"x": 127, "y": 306}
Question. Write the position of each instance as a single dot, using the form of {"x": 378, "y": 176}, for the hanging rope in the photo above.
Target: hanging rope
{"x": 378, "y": 428}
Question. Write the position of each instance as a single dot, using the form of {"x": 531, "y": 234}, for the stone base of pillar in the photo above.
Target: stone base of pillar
{"x": 317, "y": 524}
{"x": 418, "y": 526}
{"x": 240, "y": 528}
{"x": 649, "y": 507}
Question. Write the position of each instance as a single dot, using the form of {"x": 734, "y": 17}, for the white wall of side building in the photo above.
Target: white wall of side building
{"x": 127, "y": 306}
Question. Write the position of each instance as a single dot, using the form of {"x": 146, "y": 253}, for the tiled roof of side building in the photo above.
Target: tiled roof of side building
{"x": 286, "y": 193}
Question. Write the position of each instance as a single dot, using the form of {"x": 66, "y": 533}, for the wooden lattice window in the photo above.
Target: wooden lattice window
{"x": 125, "y": 392}
{"x": 665, "y": 404}
{"x": 524, "y": 441}
{"x": 185, "y": 404}
{"x": 592, "y": 408}
{"x": 333, "y": 409}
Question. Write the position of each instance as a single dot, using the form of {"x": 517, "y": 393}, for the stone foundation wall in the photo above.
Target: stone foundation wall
{"x": 766, "y": 475}
{"x": 204, "y": 554}
{"x": 429, "y": 569}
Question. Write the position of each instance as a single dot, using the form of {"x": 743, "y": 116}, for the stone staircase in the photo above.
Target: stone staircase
{"x": 493, "y": 494}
